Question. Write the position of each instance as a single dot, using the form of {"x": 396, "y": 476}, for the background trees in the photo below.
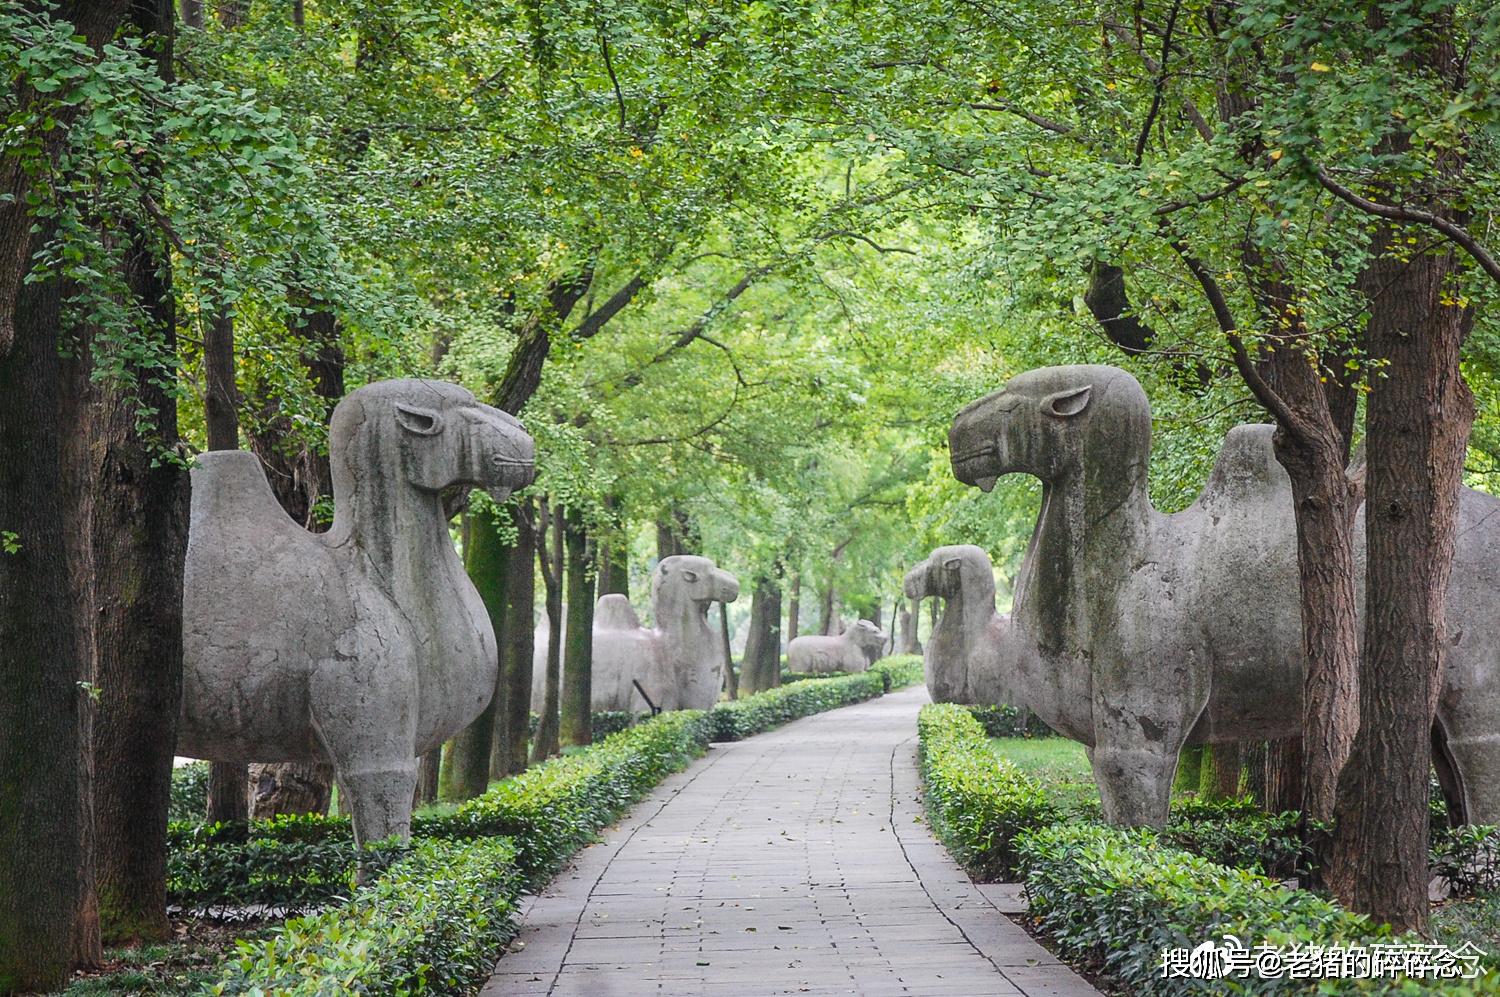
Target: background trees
{"x": 737, "y": 266}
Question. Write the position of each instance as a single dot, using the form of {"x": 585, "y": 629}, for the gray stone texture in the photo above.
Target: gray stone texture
{"x": 1135, "y": 632}
{"x": 794, "y": 862}
{"x": 854, "y": 650}
{"x": 678, "y": 662}
{"x": 365, "y": 646}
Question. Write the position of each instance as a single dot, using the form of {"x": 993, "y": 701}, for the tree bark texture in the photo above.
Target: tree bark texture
{"x": 577, "y": 724}
{"x": 550, "y": 556}
{"x": 513, "y": 722}
{"x": 1283, "y": 776}
{"x": 290, "y": 788}
{"x": 487, "y": 560}
{"x": 1418, "y": 419}
{"x": 731, "y": 677}
{"x": 1219, "y": 778}
{"x": 794, "y": 607}
{"x": 760, "y": 668}
{"x": 1189, "y": 769}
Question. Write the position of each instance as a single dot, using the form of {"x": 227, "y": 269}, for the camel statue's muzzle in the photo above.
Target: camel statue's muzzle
{"x": 916, "y": 584}
{"x": 505, "y": 454}
{"x": 976, "y": 439}
{"x": 726, "y": 588}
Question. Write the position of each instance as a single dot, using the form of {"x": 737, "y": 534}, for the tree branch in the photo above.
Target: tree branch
{"x": 1455, "y": 233}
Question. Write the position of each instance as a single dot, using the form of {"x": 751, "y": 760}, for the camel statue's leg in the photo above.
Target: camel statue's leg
{"x": 1135, "y": 758}
{"x": 366, "y": 721}
{"x": 1474, "y": 747}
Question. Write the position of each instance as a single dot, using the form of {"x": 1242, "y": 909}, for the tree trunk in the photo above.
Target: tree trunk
{"x": 513, "y": 726}
{"x": 1283, "y": 775}
{"x": 192, "y": 13}
{"x": 1255, "y": 771}
{"x": 577, "y": 685}
{"x": 487, "y": 560}
{"x": 760, "y": 669}
{"x": 1219, "y": 778}
{"x": 731, "y": 678}
{"x": 1418, "y": 418}
{"x": 907, "y": 627}
{"x": 794, "y": 607}
{"x": 427, "y": 777}
{"x": 290, "y": 788}
{"x": 830, "y": 623}
{"x": 1189, "y": 769}
{"x": 228, "y": 792}
{"x": 550, "y": 535}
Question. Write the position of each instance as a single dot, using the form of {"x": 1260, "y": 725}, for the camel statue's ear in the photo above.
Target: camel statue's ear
{"x": 953, "y": 563}
{"x": 422, "y": 421}
{"x": 1068, "y": 403}
{"x": 691, "y": 576}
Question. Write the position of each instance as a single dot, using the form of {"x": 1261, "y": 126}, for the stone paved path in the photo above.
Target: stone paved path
{"x": 793, "y": 862}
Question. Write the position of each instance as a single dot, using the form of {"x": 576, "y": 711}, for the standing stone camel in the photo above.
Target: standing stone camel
{"x": 971, "y": 656}
{"x": 1135, "y": 632}
{"x": 365, "y": 646}
{"x": 678, "y": 662}
{"x": 854, "y": 650}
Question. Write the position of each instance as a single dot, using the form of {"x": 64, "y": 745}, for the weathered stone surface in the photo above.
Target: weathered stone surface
{"x": 678, "y": 662}
{"x": 364, "y": 646}
{"x": 1135, "y": 632}
{"x": 854, "y": 650}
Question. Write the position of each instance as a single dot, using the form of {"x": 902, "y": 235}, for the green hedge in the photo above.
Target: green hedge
{"x": 741, "y": 718}
{"x": 899, "y": 670}
{"x": 977, "y": 803}
{"x": 295, "y": 876}
{"x": 1003, "y": 720}
{"x": 433, "y": 924}
{"x": 1115, "y": 899}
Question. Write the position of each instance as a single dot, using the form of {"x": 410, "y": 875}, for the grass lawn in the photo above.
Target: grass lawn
{"x": 1057, "y": 763}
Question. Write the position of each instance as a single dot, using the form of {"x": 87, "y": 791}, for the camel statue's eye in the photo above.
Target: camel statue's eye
{"x": 691, "y": 576}
{"x": 422, "y": 421}
{"x": 1067, "y": 403}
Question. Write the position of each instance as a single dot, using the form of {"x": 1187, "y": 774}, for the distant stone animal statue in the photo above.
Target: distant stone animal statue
{"x": 678, "y": 662}
{"x": 854, "y": 650}
{"x": 1135, "y": 632}
{"x": 972, "y": 655}
{"x": 365, "y": 646}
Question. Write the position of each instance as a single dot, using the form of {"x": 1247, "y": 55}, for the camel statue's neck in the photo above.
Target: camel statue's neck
{"x": 400, "y": 530}
{"x": 680, "y": 617}
{"x": 1090, "y": 517}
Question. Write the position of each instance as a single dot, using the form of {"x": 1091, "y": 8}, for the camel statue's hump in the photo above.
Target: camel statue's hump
{"x": 230, "y": 493}
{"x": 614, "y": 612}
{"x": 1246, "y": 466}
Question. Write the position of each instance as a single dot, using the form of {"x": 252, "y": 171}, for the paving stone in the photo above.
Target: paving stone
{"x": 791, "y": 863}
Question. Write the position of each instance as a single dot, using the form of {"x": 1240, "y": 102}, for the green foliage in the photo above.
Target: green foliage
{"x": 1475, "y": 921}
{"x": 1114, "y": 899}
{"x": 1468, "y": 858}
{"x": 1004, "y": 720}
{"x": 978, "y": 804}
{"x": 189, "y": 800}
{"x": 10, "y": 542}
{"x": 433, "y": 924}
{"x": 1267, "y": 844}
{"x": 290, "y": 877}
{"x": 739, "y": 719}
{"x": 899, "y": 670}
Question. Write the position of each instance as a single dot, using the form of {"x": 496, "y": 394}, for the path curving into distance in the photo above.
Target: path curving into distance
{"x": 793, "y": 862}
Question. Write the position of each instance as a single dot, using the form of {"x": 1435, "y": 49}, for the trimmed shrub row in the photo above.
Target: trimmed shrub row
{"x": 977, "y": 803}
{"x": 432, "y": 924}
{"x": 741, "y": 718}
{"x": 1004, "y": 720}
{"x": 1116, "y": 899}
{"x": 899, "y": 670}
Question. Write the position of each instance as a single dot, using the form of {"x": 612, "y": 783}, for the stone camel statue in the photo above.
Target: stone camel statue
{"x": 971, "y": 655}
{"x": 854, "y": 650}
{"x": 1135, "y": 632}
{"x": 365, "y": 646}
{"x": 678, "y": 662}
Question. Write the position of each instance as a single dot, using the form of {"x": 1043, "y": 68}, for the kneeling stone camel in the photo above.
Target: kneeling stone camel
{"x": 1135, "y": 632}
{"x": 678, "y": 662}
{"x": 854, "y": 650}
{"x": 366, "y": 645}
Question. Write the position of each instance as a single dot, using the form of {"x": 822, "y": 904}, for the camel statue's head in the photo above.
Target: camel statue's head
{"x": 868, "y": 637}
{"x": 687, "y": 578}
{"x": 1050, "y": 423}
{"x": 951, "y": 573}
{"x": 438, "y": 434}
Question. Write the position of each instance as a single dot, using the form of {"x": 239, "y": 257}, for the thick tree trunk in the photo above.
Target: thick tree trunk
{"x": 550, "y": 535}
{"x": 512, "y": 728}
{"x": 290, "y": 788}
{"x": 1220, "y": 775}
{"x": 731, "y": 677}
{"x": 760, "y": 668}
{"x": 614, "y": 568}
{"x": 427, "y": 777}
{"x": 1283, "y": 776}
{"x": 830, "y": 623}
{"x": 1189, "y": 769}
{"x": 794, "y": 607}
{"x": 577, "y": 686}
{"x": 1255, "y": 771}
{"x": 44, "y": 631}
{"x": 1418, "y": 419}
{"x": 228, "y": 792}
{"x": 487, "y": 560}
